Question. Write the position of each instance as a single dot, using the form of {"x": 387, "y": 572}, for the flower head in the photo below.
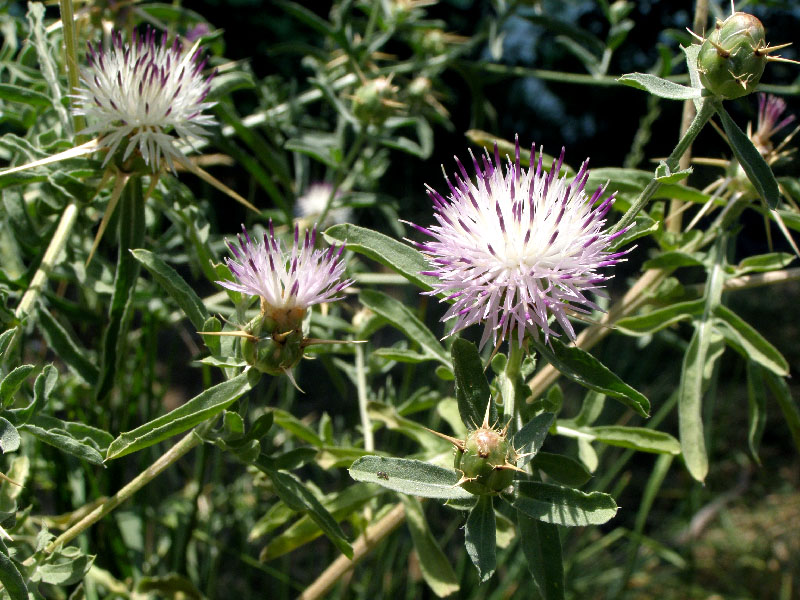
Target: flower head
{"x": 138, "y": 94}
{"x": 514, "y": 248}
{"x": 770, "y": 109}
{"x": 287, "y": 282}
{"x": 311, "y": 204}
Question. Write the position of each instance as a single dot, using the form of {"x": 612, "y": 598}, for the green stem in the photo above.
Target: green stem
{"x": 508, "y": 385}
{"x": 361, "y": 380}
{"x": 54, "y": 249}
{"x": 344, "y": 170}
{"x": 701, "y": 118}
{"x": 71, "y": 60}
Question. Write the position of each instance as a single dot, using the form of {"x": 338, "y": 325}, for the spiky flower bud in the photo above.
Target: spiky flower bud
{"x": 487, "y": 460}
{"x": 375, "y": 100}
{"x": 267, "y": 350}
{"x": 732, "y": 59}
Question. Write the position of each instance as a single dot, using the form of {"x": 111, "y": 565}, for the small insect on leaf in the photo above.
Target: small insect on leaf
{"x": 383, "y": 475}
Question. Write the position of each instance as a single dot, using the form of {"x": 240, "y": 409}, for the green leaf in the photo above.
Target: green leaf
{"x": 472, "y": 388}
{"x": 673, "y": 260}
{"x": 10, "y": 576}
{"x": 480, "y": 537}
{"x": 408, "y": 476}
{"x": 663, "y": 88}
{"x": 690, "y": 417}
{"x": 757, "y": 408}
{"x": 406, "y": 321}
{"x": 564, "y": 506}
{"x": 751, "y": 160}
{"x": 25, "y": 95}
{"x": 583, "y": 368}
{"x": 748, "y": 342}
{"x": 296, "y": 427}
{"x": 67, "y": 566}
{"x": 780, "y": 390}
{"x": 42, "y": 387}
{"x": 186, "y": 298}
{"x": 761, "y": 263}
{"x": 66, "y": 347}
{"x": 12, "y": 382}
{"x": 9, "y": 437}
{"x": 170, "y": 587}
{"x": 643, "y": 225}
{"x": 400, "y": 257}
{"x": 592, "y": 407}
{"x": 433, "y": 563}
{"x": 541, "y": 545}
{"x": 200, "y": 408}
{"x": 298, "y": 497}
{"x": 637, "y": 438}
{"x": 563, "y": 469}
{"x": 54, "y": 432}
{"x": 662, "y": 317}
{"x": 528, "y": 440}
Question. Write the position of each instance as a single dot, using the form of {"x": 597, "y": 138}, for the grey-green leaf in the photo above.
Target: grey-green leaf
{"x": 564, "y": 506}
{"x": 751, "y": 160}
{"x": 186, "y": 298}
{"x": 480, "y": 537}
{"x": 541, "y": 544}
{"x": 12, "y": 382}
{"x": 581, "y": 367}
{"x": 472, "y": 388}
{"x": 408, "y": 476}
{"x": 748, "y": 342}
{"x": 638, "y": 438}
{"x": 10, "y": 576}
{"x": 564, "y": 469}
{"x": 757, "y": 408}
{"x": 662, "y": 317}
{"x": 663, "y": 88}
{"x": 203, "y": 406}
{"x": 400, "y": 257}
{"x": 528, "y": 440}
{"x": 9, "y": 437}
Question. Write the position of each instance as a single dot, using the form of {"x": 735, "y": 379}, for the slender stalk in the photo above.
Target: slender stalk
{"x": 508, "y": 385}
{"x": 673, "y": 221}
{"x": 71, "y": 60}
{"x": 673, "y": 162}
{"x": 361, "y": 380}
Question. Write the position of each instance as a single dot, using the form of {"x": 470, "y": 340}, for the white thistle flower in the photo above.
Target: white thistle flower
{"x": 311, "y": 204}
{"x": 286, "y": 281}
{"x": 143, "y": 95}
{"x": 513, "y": 249}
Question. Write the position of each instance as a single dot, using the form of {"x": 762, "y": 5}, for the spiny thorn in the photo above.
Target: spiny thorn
{"x": 455, "y": 441}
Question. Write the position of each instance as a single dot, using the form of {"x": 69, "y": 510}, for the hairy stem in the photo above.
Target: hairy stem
{"x": 361, "y": 380}
{"x": 71, "y": 60}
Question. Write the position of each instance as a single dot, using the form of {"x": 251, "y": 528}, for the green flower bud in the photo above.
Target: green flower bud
{"x": 375, "y": 101}
{"x": 732, "y": 59}
{"x": 273, "y": 352}
{"x": 487, "y": 461}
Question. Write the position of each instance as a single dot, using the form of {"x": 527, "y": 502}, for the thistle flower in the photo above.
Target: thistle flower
{"x": 287, "y": 282}
{"x": 311, "y": 204}
{"x": 514, "y": 248}
{"x": 770, "y": 109}
{"x": 142, "y": 95}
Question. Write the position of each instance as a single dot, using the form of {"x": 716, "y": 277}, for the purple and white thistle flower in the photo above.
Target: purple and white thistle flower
{"x": 513, "y": 249}
{"x": 770, "y": 109}
{"x": 144, "y": 94}
{"x": 288, "y": 282}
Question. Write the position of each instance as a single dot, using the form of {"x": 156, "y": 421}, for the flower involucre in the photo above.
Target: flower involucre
{"x": 141, "y": 93}
{"x": 513, "y": 248}
{"x": 286, "y": 281}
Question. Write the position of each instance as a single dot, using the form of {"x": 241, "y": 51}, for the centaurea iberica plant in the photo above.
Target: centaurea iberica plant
{"x": 515, "y": 247}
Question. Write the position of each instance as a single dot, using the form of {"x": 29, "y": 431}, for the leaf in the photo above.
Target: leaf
{"x": 200, "y": 408}
{"x": 757, "y": 409}
{"x": 52, "y": 431}
{"x": 403, "y": 319}
{"x": 592, "y": 407}
{"x": 751, "y": 160}
{"x": 69, "y": 565}
{"x": 772, "y": 261}
{"x": 296, "y": 427}
{"x": 663, "y": 88}
{"x": 780, "y": 390}
{"x": 563, "y": 469}
{"x": 472, "y": 388}
{"x": 12, "y": 382}
{"x": 480, "y": 537}
{"x": 660, "y": 318}
{"x": 186, "y": 298}
{"x": 298, "y": 497}
{"x": 528, "y": 440}
{"x": 672, "y": 260}
{"x": 564, "y": 506}
{"x": 42, "y": 387}
{"x": 637, "y": 438}
{"x": 15, "y": 93}
{"x": 66, "y": 347}
{"x": 9, "y": 437}
{"x": 690, "y": 418}
{"x": 408, "y": 476}
{"x": 10, "y": 576}
{"x": 748, "y": 342}
{"x": 171, "y": 586}
{"x": 583, "y": 368}
{"x": 400, "y": 257}
{"x": 541, "y": 545}
{"x": 436, "y": 569}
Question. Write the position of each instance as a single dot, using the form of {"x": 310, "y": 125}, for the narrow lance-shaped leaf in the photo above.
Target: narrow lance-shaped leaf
{"x": 564, "y": 506}
{"x": 403, "y": 319}
{"x": 542, "y": 547}
{"x": 411, "y": 477}
{"x": 433, "y": 563}
{"x": 528, "y": 440}
{"x": 480, "y": 537}
{"x": 748, "y": 342}
{"x": 637, "y": 438}
{"x": 66, "y": 347}
{"x": 563, "y": 469}
{"x": 581, "y": 367}
{"x": 791, "y": 412}
{"x": 751, "y": 160}
{"x": 10, "y": 576}
{"x": 663, "y": 88}
{"x": 757, "y": 408}
{"x": 472, "y": 388}
{"x": 203, "y": 406}
{"x": 12, "y": 382}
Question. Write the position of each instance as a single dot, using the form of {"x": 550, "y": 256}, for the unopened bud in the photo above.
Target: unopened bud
{"x": 487, "y": 461}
